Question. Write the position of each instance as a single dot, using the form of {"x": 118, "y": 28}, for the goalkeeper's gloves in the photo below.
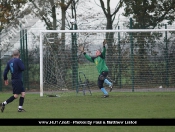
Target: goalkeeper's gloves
{"x": 104, "y": 42}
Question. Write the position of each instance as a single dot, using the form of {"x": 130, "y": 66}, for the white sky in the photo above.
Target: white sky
{"x": 113, "y": 3}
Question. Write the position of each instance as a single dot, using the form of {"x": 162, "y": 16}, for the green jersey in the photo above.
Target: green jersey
{"x": 99, "y": 61}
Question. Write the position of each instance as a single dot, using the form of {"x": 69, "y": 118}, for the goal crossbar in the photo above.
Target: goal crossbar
{"x": 104, "y": 31}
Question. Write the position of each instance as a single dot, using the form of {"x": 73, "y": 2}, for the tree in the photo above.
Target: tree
{"x": 147, "y": 14}
{"x": 46, "y": 12}
{"x": 7, "y": 10}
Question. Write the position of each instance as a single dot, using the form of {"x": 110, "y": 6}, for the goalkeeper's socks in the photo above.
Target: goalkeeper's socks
{"x": 104, "y": 91}
{"x": 107, "y": 82}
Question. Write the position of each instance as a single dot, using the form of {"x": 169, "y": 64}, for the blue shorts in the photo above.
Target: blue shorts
{"x": 17, "y": 86}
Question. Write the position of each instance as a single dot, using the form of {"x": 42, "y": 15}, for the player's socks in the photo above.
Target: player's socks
{"x": 107, "y": 82}
{"x": 104, "y": 91}
{"x": 21, "y": 101}
{"x": 4, "y": 103}
{"x": 19, "y": 107}
{"x": 10, "y": 99}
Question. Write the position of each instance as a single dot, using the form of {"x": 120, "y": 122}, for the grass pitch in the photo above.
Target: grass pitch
{"x": 70, "y": 105}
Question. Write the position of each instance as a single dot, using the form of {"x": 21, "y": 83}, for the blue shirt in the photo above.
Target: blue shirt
{"x": 15, "y": 66}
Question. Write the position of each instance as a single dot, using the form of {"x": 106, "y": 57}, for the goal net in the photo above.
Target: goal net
{"x": 137, "y": 59}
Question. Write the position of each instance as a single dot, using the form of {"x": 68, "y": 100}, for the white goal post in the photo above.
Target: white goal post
{"x": 86, "y": 31}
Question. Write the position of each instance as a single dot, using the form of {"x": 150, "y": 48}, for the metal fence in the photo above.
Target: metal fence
{"x": 136, "y": 61}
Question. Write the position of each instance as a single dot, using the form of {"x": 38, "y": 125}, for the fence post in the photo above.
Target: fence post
{"x": 132, "y": 57}
{"x": 74, "y": 58}
{"x": 119, "y": 58}
{"x": 22, "y": 54}
{"x": 26, "y": 60}
{"x": 166, "y": 58}
{"x": 0, "y": 66}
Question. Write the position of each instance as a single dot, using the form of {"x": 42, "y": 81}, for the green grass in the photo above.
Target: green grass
{"x": 68, "y": 105}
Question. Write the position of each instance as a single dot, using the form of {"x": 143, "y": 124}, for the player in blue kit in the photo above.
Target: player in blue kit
{"x": 15, "y": 66}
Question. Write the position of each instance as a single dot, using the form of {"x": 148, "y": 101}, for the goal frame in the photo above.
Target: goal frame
{"x": 84, "y": 31}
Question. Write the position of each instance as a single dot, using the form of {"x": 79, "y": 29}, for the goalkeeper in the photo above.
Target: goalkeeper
{"x": 100, "y": 63}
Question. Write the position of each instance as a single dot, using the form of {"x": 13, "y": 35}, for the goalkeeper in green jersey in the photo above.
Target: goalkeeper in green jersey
{"x": 100, "y": 64}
